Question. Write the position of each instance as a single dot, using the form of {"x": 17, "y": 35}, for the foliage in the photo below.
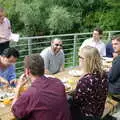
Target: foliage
{"x": 59, "y": 20}
{"x": 41, "y": 17}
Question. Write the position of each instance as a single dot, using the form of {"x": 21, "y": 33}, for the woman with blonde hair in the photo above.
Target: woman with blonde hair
{"x": 91, "y": 91}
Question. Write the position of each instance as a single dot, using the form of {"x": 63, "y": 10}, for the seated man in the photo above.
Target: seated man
{"x": 96, "y": 42}
{"x": 7, "y": 69}
{"x": 45, "y": 99}
{"x": 114, "y": 74}
{"x": 53, "y": 57}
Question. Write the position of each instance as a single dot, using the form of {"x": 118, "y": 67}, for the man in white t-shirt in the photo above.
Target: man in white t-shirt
{"x": 53, "y": 57}
{"x": 96, "y": 42}
{"x": 5, "y": 31}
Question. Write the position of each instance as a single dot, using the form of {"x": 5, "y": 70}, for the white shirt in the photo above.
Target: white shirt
{"x": 99, "y": 45}
{"x": 5, "y": 30}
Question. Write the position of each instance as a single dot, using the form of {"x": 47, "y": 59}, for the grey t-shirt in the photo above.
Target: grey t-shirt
{"x": 52, "y": 62}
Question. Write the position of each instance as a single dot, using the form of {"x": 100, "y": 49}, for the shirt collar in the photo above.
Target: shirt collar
{"x": 98, "y": 42}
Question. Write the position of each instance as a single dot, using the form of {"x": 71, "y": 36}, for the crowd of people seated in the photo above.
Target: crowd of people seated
{"x": 46, "y": 97}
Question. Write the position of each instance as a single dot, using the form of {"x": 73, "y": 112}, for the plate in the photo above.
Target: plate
{"x": 75, "y": 73}
{"x": 6, "y": 95}
{"x": 107, "y": 59}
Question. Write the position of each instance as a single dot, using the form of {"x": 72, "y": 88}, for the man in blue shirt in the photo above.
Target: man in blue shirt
{"x": 7, "y": 68}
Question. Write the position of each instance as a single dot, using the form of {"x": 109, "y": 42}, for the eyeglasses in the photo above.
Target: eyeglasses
{"x": 58, "y": 45}
{"x": 80, "y": 57}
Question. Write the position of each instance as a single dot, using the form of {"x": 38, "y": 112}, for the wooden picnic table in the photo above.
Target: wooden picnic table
{"x": 6, "y": 114}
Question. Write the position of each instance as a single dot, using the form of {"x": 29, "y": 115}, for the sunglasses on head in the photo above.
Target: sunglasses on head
{"x": 58, "y": 45}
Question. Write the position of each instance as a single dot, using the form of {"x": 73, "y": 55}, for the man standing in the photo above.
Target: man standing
{"x": 53, "y": 57}
{"x": 7, "y": 69}
{"x": 5, "y": 31}
{"x": 45, "y": 99}
{"x": 96, "y": 42}
{"x": 114, "y": 74}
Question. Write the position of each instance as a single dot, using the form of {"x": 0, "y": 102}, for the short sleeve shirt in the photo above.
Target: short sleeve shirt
{"x": 52, "y": 62}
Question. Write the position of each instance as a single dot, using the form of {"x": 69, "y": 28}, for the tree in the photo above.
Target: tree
{"x": 41, "y": 17}
{"x": 59, "y": 20}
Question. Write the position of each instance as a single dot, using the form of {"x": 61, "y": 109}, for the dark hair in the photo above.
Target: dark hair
{"x": 8, "y": 52}
{"x": 35, "y": 63}
{"x": 117, "y": 37}
{"x": 99, "y": 30}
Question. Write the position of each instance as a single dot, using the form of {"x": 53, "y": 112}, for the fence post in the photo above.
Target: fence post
{"x": 74, "y": 50}
{"x": 109, "y": 36}
{"x": 29, "y": 46}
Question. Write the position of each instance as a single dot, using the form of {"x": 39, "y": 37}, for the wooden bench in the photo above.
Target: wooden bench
{"x": 110, "y": 106}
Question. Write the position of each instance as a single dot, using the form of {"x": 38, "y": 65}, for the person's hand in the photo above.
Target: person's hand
{"x": 3, "y": 81}
{"x": 115, "y": 54}
{"x": 22, "y": 80}
{"x": 14, "y": 81}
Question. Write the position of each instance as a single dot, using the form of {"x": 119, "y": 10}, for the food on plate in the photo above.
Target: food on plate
{"x": 7, "y": 101}
{"x": 6, "y": 95}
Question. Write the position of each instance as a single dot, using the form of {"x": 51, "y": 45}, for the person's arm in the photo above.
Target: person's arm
{"x": 45, "y": 56}
{"x": 3, "y": 37}
{"x": 12, "y": 75}
{"x": 21, "y": 82}
{"x": 19, "y": 105}
{"x": 114, "y": 73}
{"x": 84, "y": 44}
{"x": 9, "y": 29}
{"x": 63, "y": 62}
{"x": 62, "y": 68}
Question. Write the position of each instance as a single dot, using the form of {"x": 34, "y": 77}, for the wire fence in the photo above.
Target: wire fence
{"x": 71, "y": 44}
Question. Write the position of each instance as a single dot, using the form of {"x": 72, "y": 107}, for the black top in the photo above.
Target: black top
{"x": 114, "y": 76}
{"x": 90, "y": 94}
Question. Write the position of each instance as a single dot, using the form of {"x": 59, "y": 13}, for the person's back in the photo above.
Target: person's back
{"x": 92, "y": 88}
{"x": 92, "y": 95}
{"x": 45, "y": 99}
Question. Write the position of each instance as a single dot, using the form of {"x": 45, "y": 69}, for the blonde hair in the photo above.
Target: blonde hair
{"x": 92, "y": 59}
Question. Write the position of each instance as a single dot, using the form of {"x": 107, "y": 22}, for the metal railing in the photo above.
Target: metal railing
{"x": 71, "y": 44}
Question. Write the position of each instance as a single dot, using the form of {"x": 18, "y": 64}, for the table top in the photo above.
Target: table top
{"x": 65, "y": 76}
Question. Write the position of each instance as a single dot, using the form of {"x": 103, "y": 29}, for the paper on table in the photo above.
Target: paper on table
{"x": 15, "y": 37}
